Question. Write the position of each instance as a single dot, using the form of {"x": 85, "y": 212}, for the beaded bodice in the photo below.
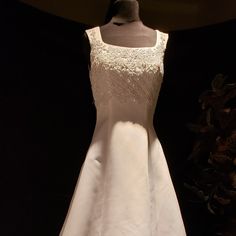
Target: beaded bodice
{"x": 126, "y": 75}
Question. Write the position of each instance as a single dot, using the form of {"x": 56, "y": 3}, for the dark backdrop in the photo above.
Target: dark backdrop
{"x": 47, "y": 115}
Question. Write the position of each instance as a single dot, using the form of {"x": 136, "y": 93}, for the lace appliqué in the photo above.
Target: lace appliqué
{"x": 123, "y": 73}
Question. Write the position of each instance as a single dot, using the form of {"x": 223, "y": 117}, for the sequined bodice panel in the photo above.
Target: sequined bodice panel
{"x": 125, "y": 75}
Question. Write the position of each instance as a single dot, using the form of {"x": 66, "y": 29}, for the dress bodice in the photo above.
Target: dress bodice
{"x": 126, "y": 76}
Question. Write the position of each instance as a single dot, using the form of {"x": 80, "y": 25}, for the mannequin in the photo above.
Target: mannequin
{"x": 125, "y": 29}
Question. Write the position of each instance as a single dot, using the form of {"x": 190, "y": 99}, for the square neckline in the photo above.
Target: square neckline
{"x": 117, "y": 46}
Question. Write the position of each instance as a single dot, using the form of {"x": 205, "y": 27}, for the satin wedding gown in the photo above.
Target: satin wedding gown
{"x": 124, "y": 186}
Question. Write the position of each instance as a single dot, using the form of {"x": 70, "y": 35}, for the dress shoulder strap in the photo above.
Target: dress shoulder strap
{"x": 91, "y": 33}
{"x": 163, "y": 40}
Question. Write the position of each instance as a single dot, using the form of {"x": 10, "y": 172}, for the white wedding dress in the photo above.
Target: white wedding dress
{"x": 124, "y": 187}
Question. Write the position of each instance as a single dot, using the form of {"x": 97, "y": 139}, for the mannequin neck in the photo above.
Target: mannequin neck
{"x": 125, "y": 11}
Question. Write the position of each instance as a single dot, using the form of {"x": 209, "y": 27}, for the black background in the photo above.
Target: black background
{"x": 47, "y": 115}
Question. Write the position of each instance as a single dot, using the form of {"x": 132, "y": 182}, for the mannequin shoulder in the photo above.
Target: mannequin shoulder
{"x": 85, "y": 40}
{"x": 86, "y": 44}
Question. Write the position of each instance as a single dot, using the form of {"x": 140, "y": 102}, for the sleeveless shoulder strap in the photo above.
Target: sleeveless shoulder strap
{"x": 91, "y": 33}
{"x": 163, "y": 43}
{"x": 164, "y": 39}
